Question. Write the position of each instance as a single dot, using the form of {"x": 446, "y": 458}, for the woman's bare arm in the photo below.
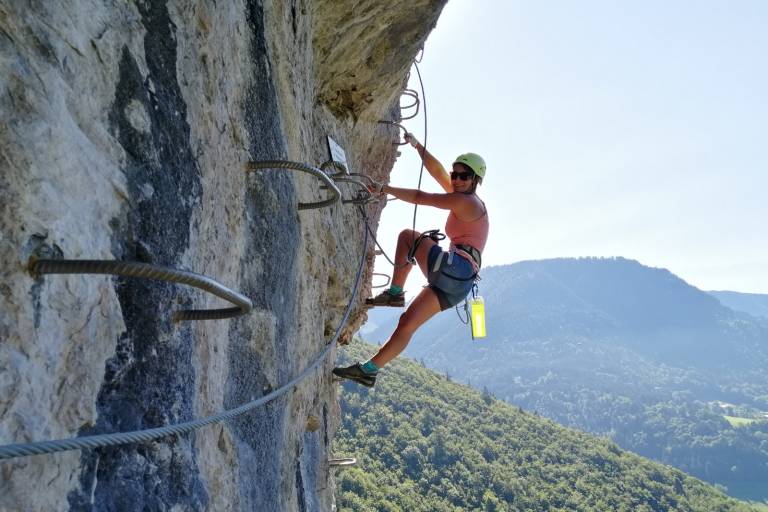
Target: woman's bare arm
{"x": 434, "y": 167}
{"x": 462, "y": 205}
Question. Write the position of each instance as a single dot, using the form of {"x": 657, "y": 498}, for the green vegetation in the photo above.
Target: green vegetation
{"x": 620, "y": 350}
{"x": 424, "y": 443}
{"x": 735, "y": 421}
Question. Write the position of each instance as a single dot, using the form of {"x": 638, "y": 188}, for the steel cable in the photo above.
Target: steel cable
{"x": 421, "y": 169}
{"x": 242, "y": 303}
{"x": 143, "y": 270}
{"x": 424, "y": 145}
{"x": 381, "y": 249}
{"x": 97, "y": 441}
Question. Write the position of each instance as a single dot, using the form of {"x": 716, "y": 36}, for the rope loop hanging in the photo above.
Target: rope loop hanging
{"x": 335, "y": 194}
{"x": 242, "y": 303}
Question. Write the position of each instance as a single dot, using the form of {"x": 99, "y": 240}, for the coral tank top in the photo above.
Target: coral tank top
{"x": 473, "y": 232}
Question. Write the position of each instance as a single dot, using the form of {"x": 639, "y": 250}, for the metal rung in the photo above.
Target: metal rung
{"x": 416, "y": 103}
{"x": 296, "y": 166}
{"x": 381, "y": 285}
{"x": 344, "y": 176}
{"x": 346, "y": 461}
{"x": 146, "y": 271}
{"x": 10, "y": 451}
{"x": 364, "y": 177}
{"x": 363, "y": 195}
{"x": 341, "y": 168}
{"x": 392, "y": 123}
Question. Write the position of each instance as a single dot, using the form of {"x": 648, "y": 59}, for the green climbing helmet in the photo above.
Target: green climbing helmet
{"x": 473, "y": 161}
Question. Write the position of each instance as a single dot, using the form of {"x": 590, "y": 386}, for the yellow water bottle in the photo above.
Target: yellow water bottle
{"x": 477, "y": 316}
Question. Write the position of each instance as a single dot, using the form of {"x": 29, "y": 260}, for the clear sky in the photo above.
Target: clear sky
{"x": 610, "y": 128}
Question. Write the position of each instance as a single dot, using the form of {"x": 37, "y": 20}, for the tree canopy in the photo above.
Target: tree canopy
{"x": 424, "y": 443}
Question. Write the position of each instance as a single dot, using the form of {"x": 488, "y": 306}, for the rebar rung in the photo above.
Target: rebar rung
{"x": 296, "y": 166}
{"x": 242, "y": 303}
{"x": 345, "y": 461}
{"x": 381, "y": 285}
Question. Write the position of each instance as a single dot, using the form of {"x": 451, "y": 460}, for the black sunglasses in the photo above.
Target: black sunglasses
{"x": 463, "y": 176}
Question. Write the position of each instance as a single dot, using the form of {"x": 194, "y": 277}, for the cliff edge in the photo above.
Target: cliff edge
{"x": 127, "y": 131}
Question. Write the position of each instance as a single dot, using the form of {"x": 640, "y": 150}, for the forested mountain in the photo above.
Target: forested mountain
{"x": 424, "y": 443}
{"x": 755, "y": 304}
{"x": 621, "y": 350}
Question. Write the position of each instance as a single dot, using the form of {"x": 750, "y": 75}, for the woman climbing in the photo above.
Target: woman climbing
{"x": 450, "y": 274}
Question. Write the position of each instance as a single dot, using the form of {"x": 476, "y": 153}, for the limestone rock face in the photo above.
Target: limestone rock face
{"x": 126, "y": 130}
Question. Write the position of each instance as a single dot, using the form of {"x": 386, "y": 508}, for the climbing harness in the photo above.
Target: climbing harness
{"x": 242, "y": 304}
{"x": 97, "y": 441}
{"x": 319, "y": 174}
{"x": 433, "y": 234}
{"x": 474, "y": 308}
{"x": 472, "y": 252}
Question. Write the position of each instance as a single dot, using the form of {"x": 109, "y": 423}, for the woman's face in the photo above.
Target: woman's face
{"x": 461, "y": 178}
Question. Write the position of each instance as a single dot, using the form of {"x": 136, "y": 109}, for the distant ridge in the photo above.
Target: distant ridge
{"x": 619, "y": 349}
{"x": 648, "y": 309}
{"x": 755, "y": 304}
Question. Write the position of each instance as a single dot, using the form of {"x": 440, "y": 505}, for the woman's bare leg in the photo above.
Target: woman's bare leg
{"x": 423, "y": 307}
{"x": 404, "y": 243}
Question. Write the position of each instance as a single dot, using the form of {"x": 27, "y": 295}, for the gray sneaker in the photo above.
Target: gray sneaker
{"x": 387, "y": 299}
{"x": 357, "y": 374}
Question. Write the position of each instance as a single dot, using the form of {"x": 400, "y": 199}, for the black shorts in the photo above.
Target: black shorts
{"x": 451, "y": 277}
